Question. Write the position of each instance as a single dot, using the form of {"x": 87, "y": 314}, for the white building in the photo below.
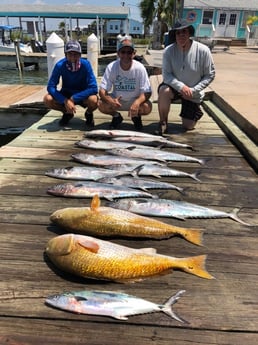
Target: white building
{"x": 130, "y": 26}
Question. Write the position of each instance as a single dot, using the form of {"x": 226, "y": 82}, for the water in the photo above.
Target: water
{"x": 31, "y": 77}
{"x": 12, "y": 76}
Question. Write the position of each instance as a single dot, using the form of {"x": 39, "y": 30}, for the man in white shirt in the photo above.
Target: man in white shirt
{"x": 125, "y": 86}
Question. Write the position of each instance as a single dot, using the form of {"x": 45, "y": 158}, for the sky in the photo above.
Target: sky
{"x": 52, "y": 24}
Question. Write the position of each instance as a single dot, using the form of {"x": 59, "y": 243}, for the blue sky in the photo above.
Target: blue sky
{"x": 53, "y": 24}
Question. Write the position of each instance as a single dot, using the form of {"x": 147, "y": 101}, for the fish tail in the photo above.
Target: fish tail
{"x": 193, "y": 235}
{"x": 167, "y": 309}
{"x": 195, "y": 176}
{"x": 194, "y": 265}
{"x": 233, "y": 215}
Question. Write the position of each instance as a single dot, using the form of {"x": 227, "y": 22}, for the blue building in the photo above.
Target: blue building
{"x": 222, "y": 18}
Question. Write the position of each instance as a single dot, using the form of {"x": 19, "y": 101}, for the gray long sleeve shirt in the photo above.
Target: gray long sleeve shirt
{"x": 194, "y": 68}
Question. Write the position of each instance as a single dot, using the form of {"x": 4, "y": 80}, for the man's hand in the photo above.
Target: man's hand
{"x": 70, "y": 106}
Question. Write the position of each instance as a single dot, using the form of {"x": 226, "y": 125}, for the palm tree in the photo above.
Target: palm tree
{"x": 160, "y": 14}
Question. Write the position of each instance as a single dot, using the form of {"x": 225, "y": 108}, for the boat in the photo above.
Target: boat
{"x": 6, "y": 41}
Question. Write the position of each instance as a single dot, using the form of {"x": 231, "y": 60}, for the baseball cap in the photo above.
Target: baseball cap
{"x": 73, "y": 46}
{"x": 125, "y": 42}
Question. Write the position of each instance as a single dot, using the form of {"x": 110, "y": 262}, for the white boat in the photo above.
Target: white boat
{"x": 6, "y": 42}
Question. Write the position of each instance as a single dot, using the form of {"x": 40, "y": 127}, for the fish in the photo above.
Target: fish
{"x": 115, "y": 133}
{"x": 106, "y": 160}
{"x": 86, "y": 173}
{"x": 139, "y": 183}
{"x": 93, "y": 258}
{"x": 154, "y": 154}
{"x": 173, "y": 208}
{"x": 159, "y": 171}
{"x": 153, "y": 141}
{"x": 98, "y": 220}
{"x": 105, "y": 144}
{"x": 117, "y": 305}
{"x": 83, "y": 189}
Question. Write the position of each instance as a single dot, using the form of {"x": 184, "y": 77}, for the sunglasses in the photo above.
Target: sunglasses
{"x": 127, "y": 52}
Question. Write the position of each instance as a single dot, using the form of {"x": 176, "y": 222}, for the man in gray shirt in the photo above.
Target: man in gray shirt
{"x": 187, "y": 69}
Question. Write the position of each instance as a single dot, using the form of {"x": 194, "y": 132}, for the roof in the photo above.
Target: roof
{"x": 67, "y": 11}
{"x": 251, "y": 5}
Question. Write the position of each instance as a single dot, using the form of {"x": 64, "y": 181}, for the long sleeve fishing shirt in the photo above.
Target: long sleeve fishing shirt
{"x": 194, "y": 68}
{"x": 79, "y": 84}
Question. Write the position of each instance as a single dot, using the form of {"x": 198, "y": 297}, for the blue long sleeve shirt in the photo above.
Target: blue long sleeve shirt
{"x": 79, "y": 85}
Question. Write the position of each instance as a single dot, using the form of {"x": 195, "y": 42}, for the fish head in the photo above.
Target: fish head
{"x": 61, "y": 189}
{"x": 67, "y": 217}
{"x": 64, "y": 245}
{"x": 66, "y": 301}
{"x": 60, "y": 245}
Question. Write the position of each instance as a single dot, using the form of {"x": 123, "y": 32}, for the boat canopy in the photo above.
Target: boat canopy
{"x": 9, "y": 27}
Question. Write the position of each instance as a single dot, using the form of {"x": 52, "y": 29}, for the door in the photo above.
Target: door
{"x": 226, "y": 25}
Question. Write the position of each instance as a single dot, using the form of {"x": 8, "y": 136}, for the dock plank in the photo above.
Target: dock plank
{"x": 221, "y": 311}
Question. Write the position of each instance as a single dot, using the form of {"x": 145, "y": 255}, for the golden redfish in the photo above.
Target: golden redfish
{"x": 108, "y": 221}
{"x": 90, "y": 257}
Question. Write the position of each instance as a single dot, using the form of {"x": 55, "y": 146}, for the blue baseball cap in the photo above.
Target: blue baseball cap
{"x": 73, "y": 46}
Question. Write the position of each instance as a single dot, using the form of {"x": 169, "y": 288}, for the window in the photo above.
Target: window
{"x": 207, "y": 17}
{"x": 222, "y": 19}
{"x": 232, "y": 19}
{"x": 245, "y": 16}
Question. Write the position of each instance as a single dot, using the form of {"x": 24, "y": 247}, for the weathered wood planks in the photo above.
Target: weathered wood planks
{"x": 221, "y": 311}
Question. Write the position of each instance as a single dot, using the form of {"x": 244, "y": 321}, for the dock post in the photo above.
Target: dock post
{"x": 18, "y": 55}
{"x": 93, "y": 52}
{"x": 55, "y": 51}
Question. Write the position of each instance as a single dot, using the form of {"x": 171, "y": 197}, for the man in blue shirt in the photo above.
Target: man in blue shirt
{"x": 78, "y": 86}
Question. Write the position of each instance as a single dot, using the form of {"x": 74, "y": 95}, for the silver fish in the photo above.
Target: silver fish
{"x": 106, "y": 160}
{"x": 85, "y": 173}
{"x": 155, "y": 154}
{"x": 117, "y": 305}
{"x": 105, "y": 144}
{"x": 114, "y": 133}
{"x": 139, "y": 183}
{"x": 153, "y": 141}
{"x": 159, "y": 171}
{"x": 89, "y": 189}
{"x": 173, "y": 208}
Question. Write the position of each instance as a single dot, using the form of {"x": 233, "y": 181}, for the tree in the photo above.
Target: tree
{"x": 160, "y": 14}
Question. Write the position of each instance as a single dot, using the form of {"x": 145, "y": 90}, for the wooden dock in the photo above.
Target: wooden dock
{"x": 222, "y": 311}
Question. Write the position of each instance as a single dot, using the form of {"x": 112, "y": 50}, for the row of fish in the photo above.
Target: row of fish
{"x": 90, "y": 257}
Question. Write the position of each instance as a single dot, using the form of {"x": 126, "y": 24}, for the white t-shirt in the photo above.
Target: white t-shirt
{"x": 127, "y": 84}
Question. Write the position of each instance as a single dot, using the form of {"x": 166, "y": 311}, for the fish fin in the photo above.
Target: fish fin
{"x": 118, "y": 316}
{"x": 89, "y": 245}
{"x": 131, "y": 148}
{"x": 150, "y": 251}
{"x": 233, "y": 215}
{"x": 167, "y": 308}
{"x": 194, "y": 265}
{"x": 95, "y": 203}
{"x": 193, "y": 235}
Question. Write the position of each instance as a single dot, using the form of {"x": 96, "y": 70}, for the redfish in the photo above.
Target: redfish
{"x": 93, "y": 258}
{"x": 107, "y": 221}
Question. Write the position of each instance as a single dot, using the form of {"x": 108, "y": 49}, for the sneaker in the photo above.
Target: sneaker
{"x": 116, "y": 121}
{"x": 89, "y": 119}
{"x": 65, "y": 119}
{"x": 137, "y": 120}
{"x": 162, "y": 129}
